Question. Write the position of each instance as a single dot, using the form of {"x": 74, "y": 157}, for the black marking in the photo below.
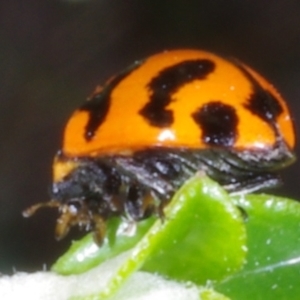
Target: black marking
{"x": 218, "y": 122}
{"x": 98, "y": 106}
{"x": 261, "y": 102}
{"x": 166, "y": 83}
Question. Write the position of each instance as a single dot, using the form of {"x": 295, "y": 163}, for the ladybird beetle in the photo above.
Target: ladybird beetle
{"x": 134, "y": 142}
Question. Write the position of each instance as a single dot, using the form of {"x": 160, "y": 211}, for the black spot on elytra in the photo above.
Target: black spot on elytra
{"x": 261, "y": 102}
{"x": 98, "y": 106}
{"x": 264, "y": 105}
{"x": 166, "y": 83}
{"x": 218, "y": 123}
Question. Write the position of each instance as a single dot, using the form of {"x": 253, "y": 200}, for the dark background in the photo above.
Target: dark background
{"x": 53, "y": 53}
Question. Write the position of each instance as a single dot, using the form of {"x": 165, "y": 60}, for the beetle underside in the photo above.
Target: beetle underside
{"x": 135, "y": 187}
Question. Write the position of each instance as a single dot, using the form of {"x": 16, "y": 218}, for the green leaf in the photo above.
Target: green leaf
{"x": 209, "y": 294}
{"x": 202, "y": 238}
{"x": 273, "y": 262}
{"x": 86, "y": 254}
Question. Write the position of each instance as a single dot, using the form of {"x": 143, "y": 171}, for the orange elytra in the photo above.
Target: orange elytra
{"x": 124, "y": 127}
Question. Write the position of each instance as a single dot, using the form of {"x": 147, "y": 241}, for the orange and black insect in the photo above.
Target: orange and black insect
{"x": 134, "y": 142}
